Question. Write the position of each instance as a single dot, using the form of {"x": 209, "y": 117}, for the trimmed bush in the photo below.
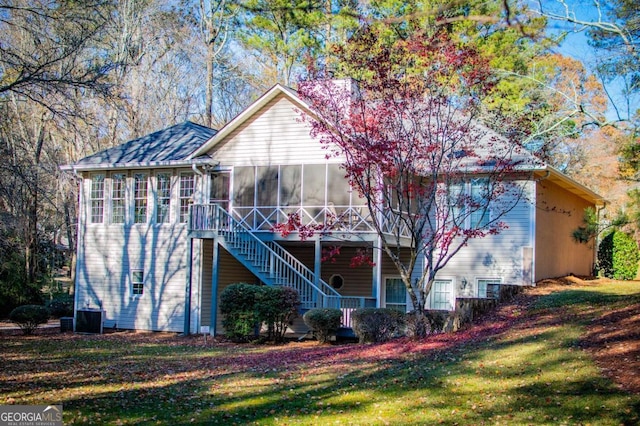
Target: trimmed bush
{"x": 618, "y": 256}
{"x": 245, "y": 307}
{"x": 323, "y": 322}
{"x": 373, "y": 325}
{"x": 417, "y": 325}
{"x": 277, "y": 307}
{"x": 61, "y": 305}
{"x": 28, "y": 317}
{"x": 238, "y": 308}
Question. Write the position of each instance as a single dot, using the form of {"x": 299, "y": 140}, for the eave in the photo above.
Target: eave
{"x": 143, "y": 165}
{"x": 556, "y": 176}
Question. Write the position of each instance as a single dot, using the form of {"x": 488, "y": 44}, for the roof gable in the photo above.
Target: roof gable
{"x": 167, "y": 146}
{"x": 248, "y": 113}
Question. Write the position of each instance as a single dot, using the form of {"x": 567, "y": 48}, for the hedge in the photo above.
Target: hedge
{"x": 618, "y": 256}
{"x": 373, "y": 325}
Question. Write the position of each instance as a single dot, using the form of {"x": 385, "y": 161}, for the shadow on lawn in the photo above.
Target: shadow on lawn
{"x": 512, "y": 368}
{"x": 400, "y": 382}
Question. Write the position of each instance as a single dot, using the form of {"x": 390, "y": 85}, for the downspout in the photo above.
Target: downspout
{"x": 197, "y": 171}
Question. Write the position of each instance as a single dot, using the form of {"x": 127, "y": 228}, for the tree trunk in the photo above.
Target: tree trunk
{"x": 72, "y": 247}
{"x": 209, "y": 95}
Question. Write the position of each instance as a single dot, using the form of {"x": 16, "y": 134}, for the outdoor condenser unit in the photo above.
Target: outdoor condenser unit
{"x": 89, "y": 320}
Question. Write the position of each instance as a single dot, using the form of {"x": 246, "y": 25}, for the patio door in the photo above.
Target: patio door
{"x": 395, "y": 294}
{"x": 219, "y": 193}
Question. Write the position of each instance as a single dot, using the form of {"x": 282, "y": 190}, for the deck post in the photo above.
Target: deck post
{"x": 214, "y": 287}
{"x": 317, "y": 269}
{"x": 377, "y": 272}
{"x": 187, "y": 296}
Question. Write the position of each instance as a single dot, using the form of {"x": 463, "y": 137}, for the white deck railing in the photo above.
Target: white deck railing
{"x": 345, "y": 219}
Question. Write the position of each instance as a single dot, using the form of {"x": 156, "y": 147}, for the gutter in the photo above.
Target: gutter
{"x": 146, "y": 165}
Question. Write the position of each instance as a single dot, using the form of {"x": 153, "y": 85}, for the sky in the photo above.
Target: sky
{"x": 576, "y": 45}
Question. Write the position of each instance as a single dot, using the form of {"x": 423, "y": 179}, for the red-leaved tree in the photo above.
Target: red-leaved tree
{"x": 404, "y": 124}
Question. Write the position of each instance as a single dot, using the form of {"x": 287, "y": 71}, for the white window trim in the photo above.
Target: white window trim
{"x": 452, "y": 299}
{"x": 383, "y": 292}
{"x": 466, "y": 187}
{"x": 488, "y": 214}
{"x": 477, "y": 284}
{"x": 133, "y": 197}
{"x": 180, "y": 198}
{"x": 156, "y": 198}
{"x": 125, "y": 199}
{"x": 91, "y": 199}
{"x": 133, "y": 283}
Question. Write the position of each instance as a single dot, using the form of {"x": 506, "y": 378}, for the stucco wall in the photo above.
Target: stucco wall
{"x": 558, "y": 214}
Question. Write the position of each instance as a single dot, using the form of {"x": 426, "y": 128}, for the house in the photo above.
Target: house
{"x": 167, "y": 221}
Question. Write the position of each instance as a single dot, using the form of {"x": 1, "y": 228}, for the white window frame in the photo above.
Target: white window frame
{"x": 95, "y": 201}
{"x": 114, "y": 199}
{"x": 137, "y": 284}
{"x": 159, "y": 197}
{"x": 384, "y": 303}
{"x": 482, "y": 292}
{"x": 184, "y": 199}
{"x": 450, "y": 300}
{"x": 485, "y": 219}
{"x": 465, "y": 190}
{"x": 140, "y": 198}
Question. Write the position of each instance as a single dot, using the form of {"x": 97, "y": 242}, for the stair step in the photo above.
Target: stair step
{"x": 251, "y": 252}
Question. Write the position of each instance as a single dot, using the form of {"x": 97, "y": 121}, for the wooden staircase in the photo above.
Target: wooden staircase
{"x": 268, "y": 261}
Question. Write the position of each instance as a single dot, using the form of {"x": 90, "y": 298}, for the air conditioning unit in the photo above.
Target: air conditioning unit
{"x": 89, "y": 320}
{"x": 66, "y": 324}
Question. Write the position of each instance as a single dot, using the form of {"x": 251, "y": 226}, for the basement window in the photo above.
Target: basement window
{"x": 137, "y": 282}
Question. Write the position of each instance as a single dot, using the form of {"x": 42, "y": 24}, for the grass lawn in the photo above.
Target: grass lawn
{"x": 525, "y": 364}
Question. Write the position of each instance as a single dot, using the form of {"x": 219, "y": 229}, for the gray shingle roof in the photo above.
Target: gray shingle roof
{"x": 170, "y": 145}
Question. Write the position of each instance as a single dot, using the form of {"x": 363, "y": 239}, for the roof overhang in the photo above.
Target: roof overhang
{"x": 556, "y": 176}
{"x": 203, "y": 160}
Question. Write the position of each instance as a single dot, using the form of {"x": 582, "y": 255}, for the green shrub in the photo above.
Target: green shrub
{"x": 28, "y": 317}
{"x": 277, "y": 307}
{"x": 238, "y": 308}
{"x": 376, "y": 324}
{"x": 618, "y": 256}
{"x": 417, "y": 325}
{"x": 323, "y": 322}
{"x": 61, "y": 305}
{"x": 246, "y": 306}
